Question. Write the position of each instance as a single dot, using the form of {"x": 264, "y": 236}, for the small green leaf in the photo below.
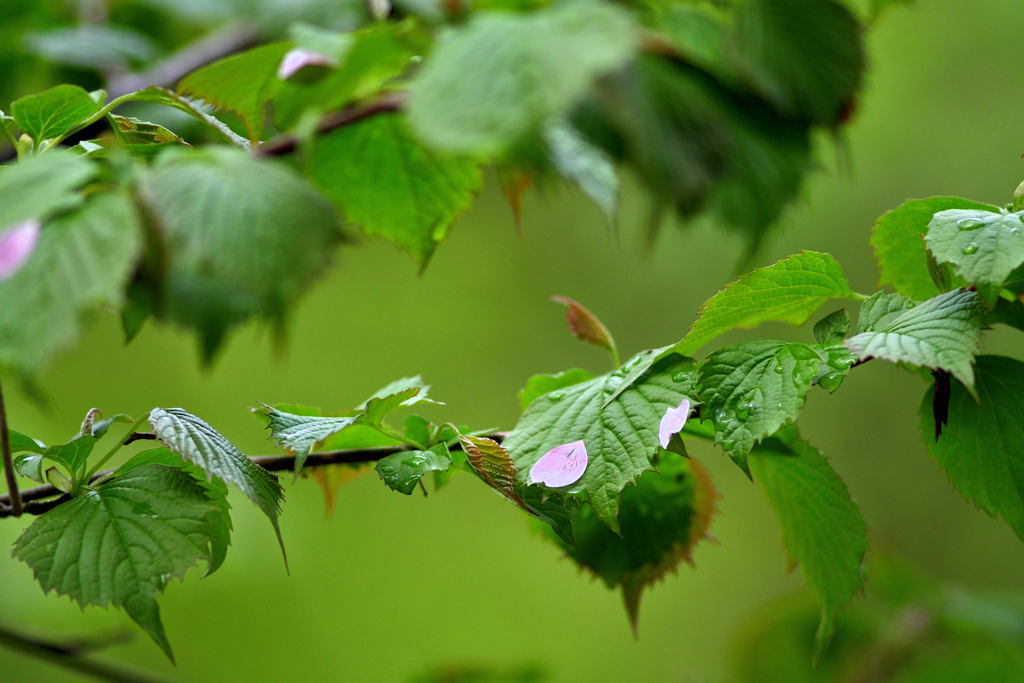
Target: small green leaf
{"x": 299, "y": 433}
{"x": 751, "y": 390}
{"x": 663, "y": 517}
{"x": 194, "y": 109}
{"x": 833, "y": 327}
{"x": 54, "y": 113}
{"x": 21, "y": 443}
{"x": 822, "y": 528}
{"x": 402, "y": 471}
{"x": 73, "y": 455}
{"x": 943, "y": 333}
{"x": 984, "y": 247}
{"x": 539, "y": 385}
{"x": 585, "y": 326}
{"x": 621, "y": 436}
{"x": 143, "y": 139}
{"x": 83, "y": 261}
{"x": 386, "y": 181}
{"x": 981, "y": 448}
{"x": 120, "y": 543}
{"x": 30, "y": 465}
{"x": 242, "y": 83}
{"x": 899, "y": 250}
{"x": 585, "y": 165}
{"x": 789, "y": 291}
{"x": 496, "y": 79}
{"x": 203, "y": 446}
{"x": 494, "y": 466}
{"x": 270, "y": 236}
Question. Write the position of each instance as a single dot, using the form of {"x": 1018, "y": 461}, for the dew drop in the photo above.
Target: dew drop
{"x": 556, "y": 396}
{"x": 387, "y": 469}
{"x": 720, "y": 416}
{"x": 970, "y": 224}
{"x": 743, "y": 410}
{"x": 970, "y": 248}
{"x": 680, "y": 376}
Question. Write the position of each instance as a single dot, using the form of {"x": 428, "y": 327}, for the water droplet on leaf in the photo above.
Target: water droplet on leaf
{"x": 970, "y": 248}
{"x": 387, "y": 469}
{"x": 743, "y": 410}
{"x": 680, "y": 376}
{"x": 556, "y": 396}
{"x": 970, "y": 224}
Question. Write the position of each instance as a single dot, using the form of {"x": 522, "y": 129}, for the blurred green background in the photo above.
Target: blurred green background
{"x": 395, "y": 585}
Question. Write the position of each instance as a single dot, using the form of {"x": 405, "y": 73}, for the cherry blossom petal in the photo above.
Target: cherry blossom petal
{"x": 673, "y": 422}
{"x": 298, "y": 59}
{"x": 561, "y": 466}
{"x": 16, "y": 245}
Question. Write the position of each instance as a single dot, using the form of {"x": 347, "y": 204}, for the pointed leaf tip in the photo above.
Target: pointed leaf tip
{"x": 584, "y": 325}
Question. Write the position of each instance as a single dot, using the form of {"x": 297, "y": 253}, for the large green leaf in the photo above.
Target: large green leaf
{"x": 981, "y": 447}
{"x": 298, "y": 433}
{"x": 385, "y": 180}
{"x": 495, "y": 80}
{"x": 120, "y": 543}
{"x": 984, "y": 247}
{"x": 243, "y": 83}
{"x": 822, "y": 528}
{"x": 943, "y": 333}
{"x": 203, "y": 446}
{"x": 662, "y": 518}
{"x": 621, "y": 436}
{"x": 243, "y": 237}
{"x": 805, "y": 56}
{"x": 41, "y": 186}
{"x": 54, "y": 112}
{"x": 789, "y": 291}
{"x": 82, "y": 261}
{"x": 750, "y": 390}
{"x": 899, "y": 249}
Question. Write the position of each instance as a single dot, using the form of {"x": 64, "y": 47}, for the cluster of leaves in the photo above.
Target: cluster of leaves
{"x": 387, "y": 128}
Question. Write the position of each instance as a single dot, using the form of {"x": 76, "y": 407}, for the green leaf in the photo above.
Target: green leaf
{"x": 621, "y": 436}
{"x": 385, "y": 180}
{"x": 1009, "y": 313}
{"x": 539, "y": 385}
{"x": 495, "y": 80}
{"x": 880, "y": 309}
{"x": 203, "y": 446}
{"x": 96, "y": 46}
{"x": 218, "y": 523}
{"x": 30, "y": 465}
{"x": 41, "y": 186}
{"x": 54, "y": 113}
{"x": 586, "y": 327}
{"x": 120, "y": 543}
{"x": 981, "y": 447}
{"x": 494, "y": 466}
{"x": 805, "y": 56}
{"x": 194, "y": 109}
{"x": 899, "y": 249}
{"x": 402, "y": 471}
{"x": 833, "y": 327}
{"x": 141, "y": 138}
{"x": 943, "y": 333}
{"x": 73, "y": 455}
{"x": 984, "y": 247}
{"x": 243, "y": 237}
{"x": 750, "y": 390}
{"x": 662, "y": 518}
{"x": 83, "y": 261}
{"x": 242, "y": 83}
{"x": 789, "y": 291}
{"x": 21, "y": 443}
{"x": 822, "y": 528}
{"x": 585, "y": 165}
{"x": 558, "y": 512}
{"x": 299, "y": 433}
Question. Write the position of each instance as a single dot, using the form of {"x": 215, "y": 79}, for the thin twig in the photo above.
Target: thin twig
{"x": 41, "y": 499}
{"x": 13, "y": 497}
{"x": 69, "y": 656}
{"x": 388, "y": 102}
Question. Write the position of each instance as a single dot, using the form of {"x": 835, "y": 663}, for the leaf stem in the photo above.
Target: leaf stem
{"x": 5, "y": 446}
{"x": 124, "y": 439}
{"x": 612, "y": 349}
{"x": 387, "y": 431}
{"x": 7, "y": 133}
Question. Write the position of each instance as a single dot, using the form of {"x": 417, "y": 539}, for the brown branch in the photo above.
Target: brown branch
{"x": 388, "y": 102}
{"x": 41, "y": 499}
{"x": 13, "y": 497}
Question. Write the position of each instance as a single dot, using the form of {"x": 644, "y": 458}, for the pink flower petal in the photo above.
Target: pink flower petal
{"x": 297, "y": 59}
{"x": 561, "y": 466}
{"x": 16, "y": 245}
{"x": 673, "y": 422}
